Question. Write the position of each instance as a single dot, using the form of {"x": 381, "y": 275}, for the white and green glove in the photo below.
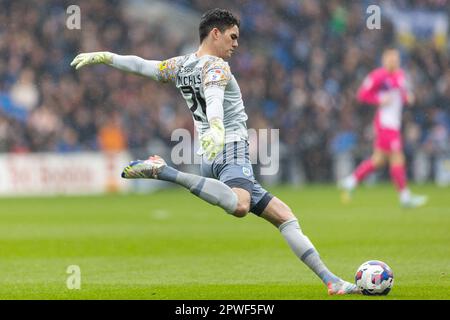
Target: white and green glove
{"x": 214, "y": 139}
{"x": 84, "y": 59}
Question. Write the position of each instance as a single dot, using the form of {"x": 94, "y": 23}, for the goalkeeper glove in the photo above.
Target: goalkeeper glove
{"x": 214, "y": 139}
{"x": 84, "y": 59}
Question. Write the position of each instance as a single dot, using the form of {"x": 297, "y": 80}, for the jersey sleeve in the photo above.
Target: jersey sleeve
{"x": 168, "y": 69}
{"x": 216, "y": 73}
{"x": 368, "y": 91}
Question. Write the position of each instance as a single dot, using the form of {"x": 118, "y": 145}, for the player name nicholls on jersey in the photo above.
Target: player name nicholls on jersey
{"x": 189, "y": 76}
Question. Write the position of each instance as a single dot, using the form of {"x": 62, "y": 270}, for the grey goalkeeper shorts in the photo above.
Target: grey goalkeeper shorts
{"x": 233, "y": 167}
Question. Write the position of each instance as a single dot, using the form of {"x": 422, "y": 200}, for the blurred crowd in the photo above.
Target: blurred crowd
{"x": 299, "y": 64}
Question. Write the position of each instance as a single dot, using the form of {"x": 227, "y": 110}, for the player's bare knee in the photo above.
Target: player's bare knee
{"x": 378, "y": 159}
{"x": 243, "y": 204}
{"x": 378, "y": 162}
{"x": 242, "y": 209}
{"x": 396, "y": 158}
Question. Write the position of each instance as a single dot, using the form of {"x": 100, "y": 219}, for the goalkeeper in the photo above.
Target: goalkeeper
{"x": 215, "y": 101}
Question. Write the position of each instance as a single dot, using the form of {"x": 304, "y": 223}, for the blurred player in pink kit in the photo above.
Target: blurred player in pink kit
{"x": 385, "y": 88}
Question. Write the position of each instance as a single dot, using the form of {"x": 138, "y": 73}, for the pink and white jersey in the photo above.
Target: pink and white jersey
{"x": 379, "y": 83}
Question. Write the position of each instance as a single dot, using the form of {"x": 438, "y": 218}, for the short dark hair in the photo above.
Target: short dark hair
{"x": 390, "y": 48}
{"x": 216, "y": 18}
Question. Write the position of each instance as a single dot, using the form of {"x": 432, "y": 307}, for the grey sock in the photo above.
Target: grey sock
{"x": 212, "y": 191}
{"x": 305, "y": 250}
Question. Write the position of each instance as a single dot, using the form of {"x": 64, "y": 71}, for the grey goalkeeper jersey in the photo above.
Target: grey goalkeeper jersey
{"x": 192, "y": 75}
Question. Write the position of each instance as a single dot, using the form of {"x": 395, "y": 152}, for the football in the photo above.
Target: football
{"x": 374, "y": 278}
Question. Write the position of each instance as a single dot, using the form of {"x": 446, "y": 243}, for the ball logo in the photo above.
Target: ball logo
{"x": 246, "y": 171}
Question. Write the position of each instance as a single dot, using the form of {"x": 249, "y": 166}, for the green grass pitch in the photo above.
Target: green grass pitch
{"x": 171, "y": 245}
